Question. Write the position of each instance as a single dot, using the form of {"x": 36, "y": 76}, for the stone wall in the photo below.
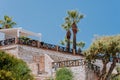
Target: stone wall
{"x": 11, "y": 49}
{"x": 27, "y": 54}
{"x": 56, "y": 56}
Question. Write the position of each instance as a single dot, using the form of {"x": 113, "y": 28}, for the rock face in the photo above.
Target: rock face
{"x": 40, "y": 61}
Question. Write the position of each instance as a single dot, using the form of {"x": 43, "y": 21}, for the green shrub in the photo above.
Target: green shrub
{"x": 6, "y": 75}
{"x": 64, "y": 74}
{"x": 17, "y": 67}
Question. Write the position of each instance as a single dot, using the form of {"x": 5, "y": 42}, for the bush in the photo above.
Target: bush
{"x": 64, "y": 74}
{"x": 6, "y": 75}
{"x": 17, "y": 67}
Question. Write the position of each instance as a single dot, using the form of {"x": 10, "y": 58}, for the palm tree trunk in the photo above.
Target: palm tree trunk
{"x": 68, "y": 45}
{"x": 74, "y": 41}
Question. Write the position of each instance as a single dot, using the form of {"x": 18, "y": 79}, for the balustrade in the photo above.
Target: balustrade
{"x": 7, "y": 42}
{"x": 78, "y": 62}
{"x": 28, "y": 42}
{"x": 48, "y": 46}
{"x": 68, "y": 63}
{"x": 35, "y": 43}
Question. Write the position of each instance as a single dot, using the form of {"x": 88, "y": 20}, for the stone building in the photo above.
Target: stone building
{"x": 42, "y": 58}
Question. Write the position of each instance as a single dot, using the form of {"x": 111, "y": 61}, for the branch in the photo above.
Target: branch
{"x": 116, "y": 75}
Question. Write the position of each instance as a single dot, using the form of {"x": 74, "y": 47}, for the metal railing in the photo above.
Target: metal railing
{"x": 28, "y": 42}
{"x": 36, "y": 43}
{"x": 47, "y": 46}
{"x": 44, "y": 45}
{"x": 75, "y": 63}
{"x": 68, "y": 63}
{"x": 7, "y": 42}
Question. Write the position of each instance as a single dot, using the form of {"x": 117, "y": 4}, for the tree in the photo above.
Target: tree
{"x": 64, "y": 74}
{"x": 70, "y": 24}
{"x": 103, "y": 48}
{"x": 7, "y": 22}
{"x": 74, "y": 17}
{"x": 67, "y": 26}
{"x": 15, "y": 67}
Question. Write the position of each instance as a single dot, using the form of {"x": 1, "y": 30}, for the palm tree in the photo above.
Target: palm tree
{"x": 66, "y": 26}
{"x": 74, "y": 18}
{"x": 7, "y": 22}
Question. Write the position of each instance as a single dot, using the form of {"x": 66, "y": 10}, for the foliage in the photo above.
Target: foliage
{"x": 115, "y": 78}
{"x": 24, "y": 38}
{"x": 6, "y": 75}
{"x": 103, "y": 48}
{"x": 67, "y": 25}
{"x": 50, "y": 78}
{"x": 64, "y": 42}
{"x": 73, "y": 17}
{"x": 17, "y": 67}
{"x": 7, "y": 22}
{"x": 81, "y": 44}
{"x": 64, "y": 74}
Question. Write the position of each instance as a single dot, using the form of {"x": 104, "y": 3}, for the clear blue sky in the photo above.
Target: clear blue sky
{"x": 46, "y": 17}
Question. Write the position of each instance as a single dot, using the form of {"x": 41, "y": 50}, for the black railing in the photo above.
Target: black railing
{"x": 7, "y": 42}
{"x": 48, "y": 46}
{"x": 35, "y": 43}
{"x": 62, "y": 49}
{"x": 68, "y": 63}
{"x": 77, "y": 62}
{"x": 28, "y": 42}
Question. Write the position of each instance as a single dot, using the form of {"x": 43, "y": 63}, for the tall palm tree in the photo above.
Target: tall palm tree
{"x": 74, "y": 17}
{"x": 67, "y": 26}
{"x": 7, "y": 22}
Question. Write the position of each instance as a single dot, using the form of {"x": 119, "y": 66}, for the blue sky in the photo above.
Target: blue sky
{"x": 102, "y": 17}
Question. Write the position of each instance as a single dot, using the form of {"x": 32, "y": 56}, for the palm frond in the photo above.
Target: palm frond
{"x": 81, "y": 16}
{"x": 7, "y": 22}
{"x": 75, "y": 16}
{"x": 6, "y": 17}
{"x": 81, "y": 44}
{"x": 65, "y": 26}
{"x": 62, "y": 42}
{"x": 13, "y": 24}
